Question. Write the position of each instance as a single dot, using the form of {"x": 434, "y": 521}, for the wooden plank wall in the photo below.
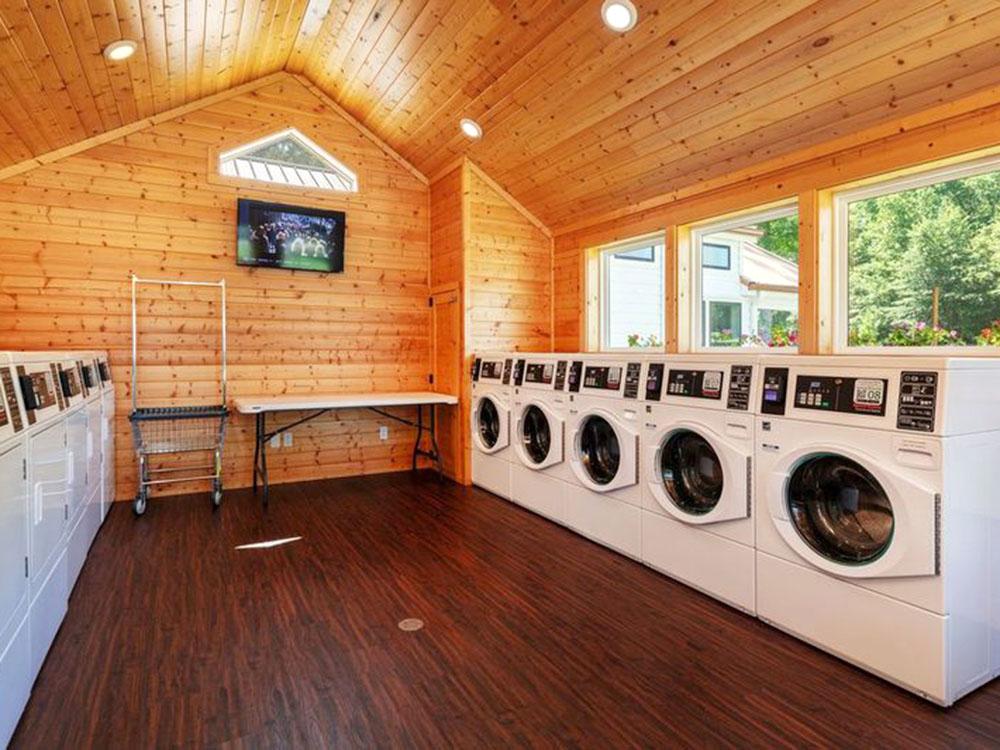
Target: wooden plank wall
{"x": 804, "y": 177}
{"x": 504, "y": 269}
{"x": 73, "y": 230}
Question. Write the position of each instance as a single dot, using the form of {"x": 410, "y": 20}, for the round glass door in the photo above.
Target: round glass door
{"x": 489, "y": 422}
{"x": 840, "y": 510}
{"x": 691, "y": 472}
{"x": 536, "y": 434}
{"x": 600, "y": 451}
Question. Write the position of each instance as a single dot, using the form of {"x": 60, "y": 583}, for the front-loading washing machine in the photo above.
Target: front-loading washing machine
{"x": 540, "y": 471}
{"x": 878, "y": 531}
{"x": 602, "y": 425}
{"x": 697, "y": 472}
{"x": 490, "y": 422}
{"x": 15, "y": 645}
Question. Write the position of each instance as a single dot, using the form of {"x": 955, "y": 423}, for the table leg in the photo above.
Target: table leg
{"x": 434, "y": 442}
{"x": 256, "y": 450}
{"x": 420, "y": 436}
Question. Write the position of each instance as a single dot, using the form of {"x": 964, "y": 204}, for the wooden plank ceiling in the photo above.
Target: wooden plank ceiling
{"x": 578, "y": 120}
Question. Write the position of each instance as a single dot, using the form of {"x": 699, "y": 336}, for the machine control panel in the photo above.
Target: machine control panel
{"x": 740, "y": 378}
{"x": 540, "y": 372}
{"x": 508, "y": 368}
{"x": 69, "y": 381}
{"x": 695, "y": 383}
{"x": 57, "y": 386}
{"x": 105, "y": 371}
{"x": 775, "y": 390}
{"x": 602, "y": 378}
{"x": 633, "y": 373}
{"x": 490, "y": 369}
{"x": 477, "y": 365}
{"x": 575, "y": 377}
{"x": 560, "y": 382}
{"x": 519, "y": 372}
{"x": 38, "y": 392}
{"x": 846, "y": 395}
{"x": 917, "y": 401}
{"x": 89, "y": 376}
{"x": 10, "y": 408}
{"x": 654, "y": 381}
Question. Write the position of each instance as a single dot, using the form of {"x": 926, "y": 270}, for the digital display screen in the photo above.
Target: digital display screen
{"x": 290, "y": 237}
{"x": 869, "y": 392}
{"x": 491, "y": 369}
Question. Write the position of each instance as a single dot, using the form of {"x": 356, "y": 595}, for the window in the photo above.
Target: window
{"x": 715, "y": 256}
{"x": 632, "y": 296}
{"x": 288, "y": 158}
{"x": 920, "y": 260}
{"x": 747, "y": 281}
{"x": 724, "y": 323}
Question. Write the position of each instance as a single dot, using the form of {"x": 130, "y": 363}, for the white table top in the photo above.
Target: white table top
{"x": 305, "y": 402}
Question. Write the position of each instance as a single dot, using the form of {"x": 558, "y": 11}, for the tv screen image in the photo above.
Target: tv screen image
{"x": 290, "y": 237}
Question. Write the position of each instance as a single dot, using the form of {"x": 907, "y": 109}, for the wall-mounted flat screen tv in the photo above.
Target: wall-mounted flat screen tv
{"x": 301, "y": 239}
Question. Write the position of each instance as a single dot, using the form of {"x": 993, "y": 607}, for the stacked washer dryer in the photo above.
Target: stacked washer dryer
{"x": 540, "y": 471}
{"x": 697, "y": 461}
{"x": 77, "y": 426}
{"x": 49, "y": 480}
{"x": 107, "y": 388}
{"x": 603, "y": 447}
{"x": 490, "y": 414}
{"x": 878, "y": 536}
{"x": 15, "y": 642}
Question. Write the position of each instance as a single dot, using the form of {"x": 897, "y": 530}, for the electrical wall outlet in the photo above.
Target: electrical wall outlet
{"x": 383, "y": 432}
{"x": 276, "y": 441}
{"x": 287, "y": 437}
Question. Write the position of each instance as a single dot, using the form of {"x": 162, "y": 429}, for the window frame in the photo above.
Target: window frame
{"x": 604, "y": 254}
{"x": 696, "y": 309}
{"x": 876, "y": 188}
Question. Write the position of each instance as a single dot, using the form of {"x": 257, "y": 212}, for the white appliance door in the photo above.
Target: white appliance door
{"x": 76, "y": 442}
{"x": 13, "y": 534}
{"x": 605, "y": 452}
{"x": 538, "y": 434}
{"x": 490, "y": 423}
{"x": 847, "y": 513}
{"x": 698, "y": 476}
{"x": 95, "y": 446}
{"x": 48, "y": 476}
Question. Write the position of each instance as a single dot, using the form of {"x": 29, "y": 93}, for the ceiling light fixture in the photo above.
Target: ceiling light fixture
{"x": 120, "y": 50}
{"x": 471, "y": 128}
{"x": 619, "y": 15}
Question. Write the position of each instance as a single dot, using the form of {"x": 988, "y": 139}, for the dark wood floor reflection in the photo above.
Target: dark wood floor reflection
{"x": 533, "y": 636}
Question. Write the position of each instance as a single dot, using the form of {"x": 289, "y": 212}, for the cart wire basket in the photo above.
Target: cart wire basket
{"x": 162, "y": 430}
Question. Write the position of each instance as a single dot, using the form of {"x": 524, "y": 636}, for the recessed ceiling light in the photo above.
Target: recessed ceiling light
{"x": 120, "y": 50}
{"x": 471, "y": 128}
{"x": 619, "y": 15}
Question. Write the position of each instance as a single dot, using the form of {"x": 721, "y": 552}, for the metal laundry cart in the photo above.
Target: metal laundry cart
{"x": 162, "y": 430}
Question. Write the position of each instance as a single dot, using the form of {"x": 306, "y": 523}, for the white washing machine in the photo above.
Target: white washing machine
{"x": 15, "y": 643}
{"x": 697, "y": 473}
{"x": 107, "y": 433}
{"x": 878, "y": 531}
{"x": 490, "y": 422}
{"x": 49, "y": 479}
{"x": 603, "y": 417}
{"x": 540, "y": 470}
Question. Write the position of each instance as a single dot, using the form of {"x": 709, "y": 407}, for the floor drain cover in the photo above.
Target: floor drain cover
{"x": 410, "y": 624}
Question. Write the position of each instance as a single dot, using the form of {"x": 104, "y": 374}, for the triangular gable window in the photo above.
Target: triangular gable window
{"x": 288, "y": 158}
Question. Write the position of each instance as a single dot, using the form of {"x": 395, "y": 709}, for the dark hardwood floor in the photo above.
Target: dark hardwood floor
{"x": 533, "y": 637}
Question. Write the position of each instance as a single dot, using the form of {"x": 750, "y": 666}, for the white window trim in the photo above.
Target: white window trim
{"x": 346, "y": 179}
{"x": 697, "y": 313}
{"x": 604, "y": 314}
{"x": 841, "y": 265}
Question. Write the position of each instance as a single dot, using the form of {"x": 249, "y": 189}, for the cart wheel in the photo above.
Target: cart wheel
{"x": 217, "y": 495}
{"x": 139, "y": 504}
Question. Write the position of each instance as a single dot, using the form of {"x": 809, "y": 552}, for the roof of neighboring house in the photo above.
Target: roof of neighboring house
{"x": 763, "y": 270}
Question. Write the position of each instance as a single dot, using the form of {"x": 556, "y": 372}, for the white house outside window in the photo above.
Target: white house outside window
{"x": 746, "y": 277}
{"x": 632, "y": 296}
